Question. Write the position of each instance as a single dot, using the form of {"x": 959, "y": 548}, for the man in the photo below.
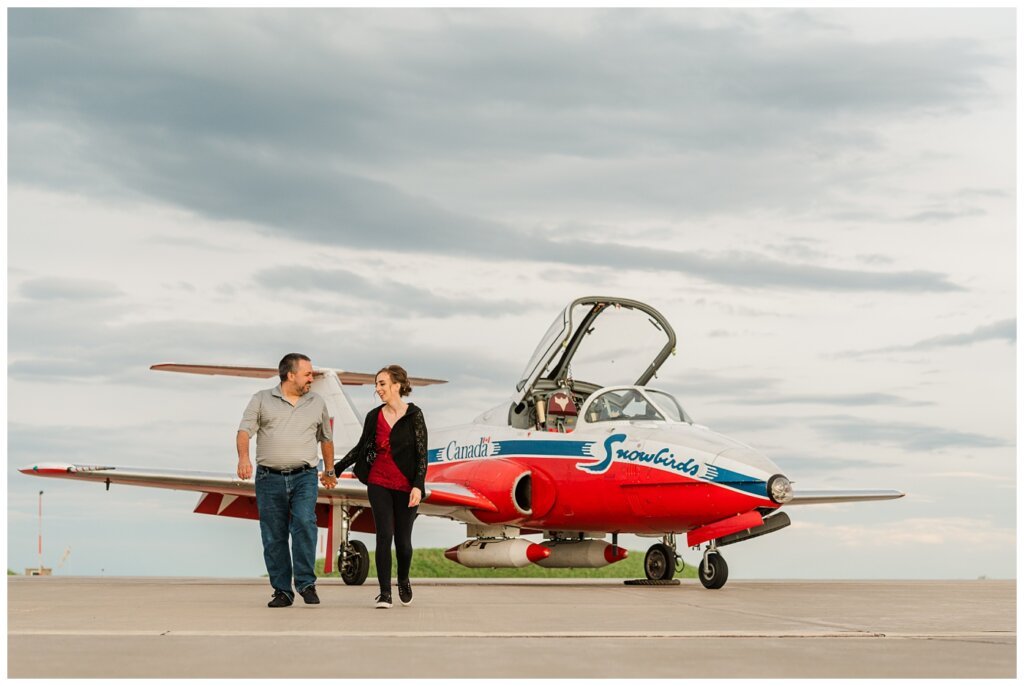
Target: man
{"x": 288, "y": 422}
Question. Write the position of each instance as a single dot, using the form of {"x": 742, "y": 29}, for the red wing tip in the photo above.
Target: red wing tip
{"x": 47, "y": 469}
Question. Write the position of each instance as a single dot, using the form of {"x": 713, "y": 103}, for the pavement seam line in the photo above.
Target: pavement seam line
{"x": 515, "y": 634}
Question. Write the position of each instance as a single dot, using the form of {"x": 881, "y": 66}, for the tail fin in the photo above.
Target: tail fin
{"x": 346, "y": 422}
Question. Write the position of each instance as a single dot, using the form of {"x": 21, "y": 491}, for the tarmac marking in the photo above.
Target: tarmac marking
{"x": 514, "y": 634}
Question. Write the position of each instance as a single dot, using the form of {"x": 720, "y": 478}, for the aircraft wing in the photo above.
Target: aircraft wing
{"x": 446, "y": 498}
{"x": 824, "y": 497}
{"x": 176, "y": 479}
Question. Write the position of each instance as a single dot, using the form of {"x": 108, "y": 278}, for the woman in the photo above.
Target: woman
{"x": 391, "y": 459}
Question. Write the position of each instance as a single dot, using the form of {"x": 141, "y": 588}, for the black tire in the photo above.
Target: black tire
{"x": 659, "y": 563}
{"x": 354, "y": 563}
{"x": 718, "y": 574}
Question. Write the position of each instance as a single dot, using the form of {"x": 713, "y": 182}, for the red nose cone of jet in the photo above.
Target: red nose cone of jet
{"x": 536, "y": 552}
{"x": 614, "y": 553}
{"x": 452, "y": 554}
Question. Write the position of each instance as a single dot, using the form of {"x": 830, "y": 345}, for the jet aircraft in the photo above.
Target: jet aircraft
{"x": 584, "y": 448}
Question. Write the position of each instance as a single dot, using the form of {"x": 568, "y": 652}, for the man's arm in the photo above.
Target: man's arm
{"x": 248, "y": 426}
{"x": 244, "y": 464}
{"x": 327, "y": 478}
{"x": 325, "y": 435}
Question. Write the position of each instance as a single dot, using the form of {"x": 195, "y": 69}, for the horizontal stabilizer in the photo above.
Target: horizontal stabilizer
{"x": 824, "y": 497}
{"x": 347, "y": 378}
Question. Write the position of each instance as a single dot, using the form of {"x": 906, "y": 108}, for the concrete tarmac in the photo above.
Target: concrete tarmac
{"x": 178, "y": 627}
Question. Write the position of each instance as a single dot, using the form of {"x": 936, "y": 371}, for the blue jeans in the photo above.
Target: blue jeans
{"x": 287, "y": 504}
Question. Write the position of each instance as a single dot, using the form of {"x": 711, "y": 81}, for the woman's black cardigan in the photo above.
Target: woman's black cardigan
{"x": 408, "y": 447}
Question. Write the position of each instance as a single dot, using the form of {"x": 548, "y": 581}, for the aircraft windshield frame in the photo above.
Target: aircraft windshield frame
{"x": 551, "y": 359}
{"x": 662, "y": 400}
{"x": 613, "y": 403}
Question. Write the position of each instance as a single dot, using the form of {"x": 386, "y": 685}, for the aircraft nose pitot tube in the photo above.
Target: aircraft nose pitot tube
{"x": 505, "y": 552}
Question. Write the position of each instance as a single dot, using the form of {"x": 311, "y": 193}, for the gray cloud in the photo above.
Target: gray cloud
{"x": 934, "y": 215}
{"x": 238, "y": 120}
{"x": 81, "y": 342}
{"x": 943, "y": 215}
{"x": 799, "y": 465}
{"x": 750, "y": 270}
{"x": 909, "y": 436}
{"x": 55, "y": 288}
{"x": 739, "y": 427}
{"x": 397, "y": 298}
{"x": 182, "y": 242}
{"x": 342, "y": 209}
{"x": 562, "y": 95}
{"x": 799, "y": 248}
{"x": 847, "y": 429}
{"x": 703, "y": 383}
{"x": 875, "y": 258}
{"x": 76, "y": 342}
{"x": 170, "y": 443}
{"x": 849, "y": 399}
{"x": 1003, "y": 330}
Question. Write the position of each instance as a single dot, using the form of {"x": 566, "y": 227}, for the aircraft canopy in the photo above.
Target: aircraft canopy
{"x": 600, "y": 341}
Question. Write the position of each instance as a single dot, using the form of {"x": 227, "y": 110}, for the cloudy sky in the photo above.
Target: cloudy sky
{"x": 821, "y": 202}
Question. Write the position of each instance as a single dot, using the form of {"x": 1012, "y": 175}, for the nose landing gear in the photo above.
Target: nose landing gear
{"x": 713, "y": 571}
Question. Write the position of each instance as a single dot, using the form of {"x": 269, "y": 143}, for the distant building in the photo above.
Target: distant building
{"x": 38, "y": 571}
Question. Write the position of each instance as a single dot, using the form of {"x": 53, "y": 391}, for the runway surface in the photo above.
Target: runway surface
{"x": 177, "y": 627}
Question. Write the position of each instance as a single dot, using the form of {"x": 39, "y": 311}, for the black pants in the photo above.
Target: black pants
{"x": 392, "y": 518}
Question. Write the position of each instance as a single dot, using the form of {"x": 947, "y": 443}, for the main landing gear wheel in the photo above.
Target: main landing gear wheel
{"x": 713, "y": 571}
{"x": 354, "y": 563}
{"x": 660, "y": 562}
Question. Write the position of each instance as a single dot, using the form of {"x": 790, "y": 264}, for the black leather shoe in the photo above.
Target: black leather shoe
{"x": 405, "y": 591}
{"x": 309, "y": 595}
{"x": 280, "y": 599}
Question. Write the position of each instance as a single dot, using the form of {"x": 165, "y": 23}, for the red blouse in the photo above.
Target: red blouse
{"x": 384, "y": 472}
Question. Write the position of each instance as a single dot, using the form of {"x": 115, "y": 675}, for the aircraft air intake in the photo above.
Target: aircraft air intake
{"x": 518, "y": 492}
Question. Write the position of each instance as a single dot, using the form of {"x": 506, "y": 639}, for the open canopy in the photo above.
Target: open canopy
{"x": 600, "y": 341}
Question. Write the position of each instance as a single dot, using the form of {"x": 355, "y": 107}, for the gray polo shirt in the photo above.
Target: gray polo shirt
{"x": 286, "y": 435}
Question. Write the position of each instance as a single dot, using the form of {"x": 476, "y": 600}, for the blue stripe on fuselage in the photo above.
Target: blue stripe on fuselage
{"x": 741, "y": 482}
{"x": 719, "y": 476}
{"x": 546, "y": 448}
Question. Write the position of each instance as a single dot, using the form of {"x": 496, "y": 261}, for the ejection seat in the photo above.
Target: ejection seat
{"x": 561, "y": 412}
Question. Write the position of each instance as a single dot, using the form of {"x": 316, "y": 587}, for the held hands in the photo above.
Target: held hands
{"x": 328, "y": 479}
{"x": 414, "y": 497}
